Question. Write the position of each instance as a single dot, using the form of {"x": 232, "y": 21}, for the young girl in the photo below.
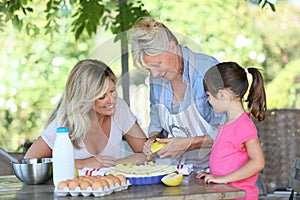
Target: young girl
{"x": 236, "y": 157}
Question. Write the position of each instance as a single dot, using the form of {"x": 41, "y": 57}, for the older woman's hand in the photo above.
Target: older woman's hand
{"x": 147, "y": 149}
{"x": 175, "y": 147}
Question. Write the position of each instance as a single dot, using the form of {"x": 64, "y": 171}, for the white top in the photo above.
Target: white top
{"x": 122, "y": 121}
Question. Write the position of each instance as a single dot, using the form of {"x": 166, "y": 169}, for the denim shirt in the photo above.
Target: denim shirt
{"x": 202, "y": 63}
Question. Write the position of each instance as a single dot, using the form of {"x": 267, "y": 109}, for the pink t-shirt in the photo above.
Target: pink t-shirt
{"x": 227, "y": 154}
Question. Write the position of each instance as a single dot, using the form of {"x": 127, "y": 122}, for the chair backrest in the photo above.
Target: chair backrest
{"x": 296, "y": 176}
{"x": 279, "y": 135}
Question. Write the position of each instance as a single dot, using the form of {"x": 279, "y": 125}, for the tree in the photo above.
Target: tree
{"x": 85, "y": 14}
{"x": 29, "y": 97}
{"x": 118, "y": 16}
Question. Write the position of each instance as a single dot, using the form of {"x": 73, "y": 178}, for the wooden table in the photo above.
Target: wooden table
{"x": 191, "y": 188}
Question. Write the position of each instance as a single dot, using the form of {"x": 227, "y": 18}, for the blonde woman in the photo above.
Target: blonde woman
{"x": 96, "y": 117}
{"x": 178, "y": 102}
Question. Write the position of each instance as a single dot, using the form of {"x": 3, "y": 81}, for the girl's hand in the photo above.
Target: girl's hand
{"x": 209, "y": 178}
{"x": 201, "y": 175}
{"x": 214, "y": 179}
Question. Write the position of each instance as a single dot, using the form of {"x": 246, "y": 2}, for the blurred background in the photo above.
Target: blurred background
{"x": 37, "y": 53}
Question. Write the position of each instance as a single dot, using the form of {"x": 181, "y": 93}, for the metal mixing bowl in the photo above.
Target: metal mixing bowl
{"x": 33, "y": 170}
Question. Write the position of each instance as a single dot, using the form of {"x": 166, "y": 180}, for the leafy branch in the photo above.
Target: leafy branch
{"x": 87, "y": 15}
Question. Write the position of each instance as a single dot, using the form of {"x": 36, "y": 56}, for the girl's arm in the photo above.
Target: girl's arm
{"x": 253, "y": 166}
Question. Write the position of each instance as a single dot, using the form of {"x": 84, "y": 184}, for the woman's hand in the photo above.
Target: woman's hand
{"x": 136, "y": 158}
{"x": 147, "y": 149}
{"x": 96, "y": 162}
{"x": 175, "y": 147}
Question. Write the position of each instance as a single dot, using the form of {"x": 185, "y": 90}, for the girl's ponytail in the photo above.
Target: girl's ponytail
{"x": 257, "y": 97}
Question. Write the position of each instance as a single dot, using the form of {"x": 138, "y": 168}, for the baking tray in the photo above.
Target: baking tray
{"x": 146, "y": 180}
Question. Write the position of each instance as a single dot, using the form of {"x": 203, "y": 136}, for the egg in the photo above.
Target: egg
{"x": 116, "y": 180}
{"x": 84, "y": 185}
{"x": 109, "y": 175}
{"x": 109, "y": 180}
{"x": 88, "y": 180}
{"x": 73, "y": 184}
{"x": 61, "y": 185}
{"x": 81, "y": 177}
{"x": 97, "y": 184}
{"x": 104, "y": 182}
{"x": 68, "y": 181}
{"x": 98, "y": 176}
{"x": 76, "y": 179}
{"x": 121, "y": 177}
{"x": 92, "y": 178}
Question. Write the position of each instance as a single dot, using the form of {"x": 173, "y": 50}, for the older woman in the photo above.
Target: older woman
{"x": 178, "y": 102}
{"x": 97, "y": 120}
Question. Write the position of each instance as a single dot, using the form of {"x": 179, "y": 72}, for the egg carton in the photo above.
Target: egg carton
{"x": 90, "y": 192}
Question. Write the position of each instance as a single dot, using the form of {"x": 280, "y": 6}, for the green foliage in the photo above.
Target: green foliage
{"x": 15, "y": 10}
{"x": 52, "y": 16}
{"x": 240, "y": 32}
{"x": 34, "y": 63}
{"x": 33, "y": 70}
{"x": 86, "y": 15}
{"x": 264, "y": 3}
{"x": 284, "y": 90}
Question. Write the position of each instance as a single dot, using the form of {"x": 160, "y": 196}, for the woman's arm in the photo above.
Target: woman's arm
{"x": 39, "y": 149}
{"x": 136, "y": 138}
{"x": 96, "y": 162}
{"x": 178, "y": 145}
{"x": 136, "y": 158}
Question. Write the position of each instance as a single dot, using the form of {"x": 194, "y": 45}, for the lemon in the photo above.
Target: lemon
{"x": 76, "y": 172}
{"x": 156, "y": 146}
{"x": 172, "y": 179}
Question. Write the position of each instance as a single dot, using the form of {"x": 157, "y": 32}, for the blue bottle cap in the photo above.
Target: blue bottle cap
{"x": 62, "y": 130}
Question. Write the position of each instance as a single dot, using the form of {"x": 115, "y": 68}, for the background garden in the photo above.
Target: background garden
{"x": 38, "y": 51}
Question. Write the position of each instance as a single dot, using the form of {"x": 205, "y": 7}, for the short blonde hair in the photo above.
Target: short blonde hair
{"x": 149, "y": 37}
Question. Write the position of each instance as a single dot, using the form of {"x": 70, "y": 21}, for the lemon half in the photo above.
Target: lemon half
{"x": 156, "y": 146}
{"x": 172, "y": 179}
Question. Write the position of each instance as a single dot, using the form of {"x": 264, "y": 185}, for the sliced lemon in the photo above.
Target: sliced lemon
{"x": 156, "y": 146}
{"x": 172, "y": 179}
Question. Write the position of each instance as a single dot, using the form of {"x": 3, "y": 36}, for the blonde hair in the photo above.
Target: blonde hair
{"x": 149, "y": 37}
{"x": 87, "y": 82}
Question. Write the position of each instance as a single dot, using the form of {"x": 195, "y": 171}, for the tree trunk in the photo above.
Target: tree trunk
{"x": 124, "y": 53}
